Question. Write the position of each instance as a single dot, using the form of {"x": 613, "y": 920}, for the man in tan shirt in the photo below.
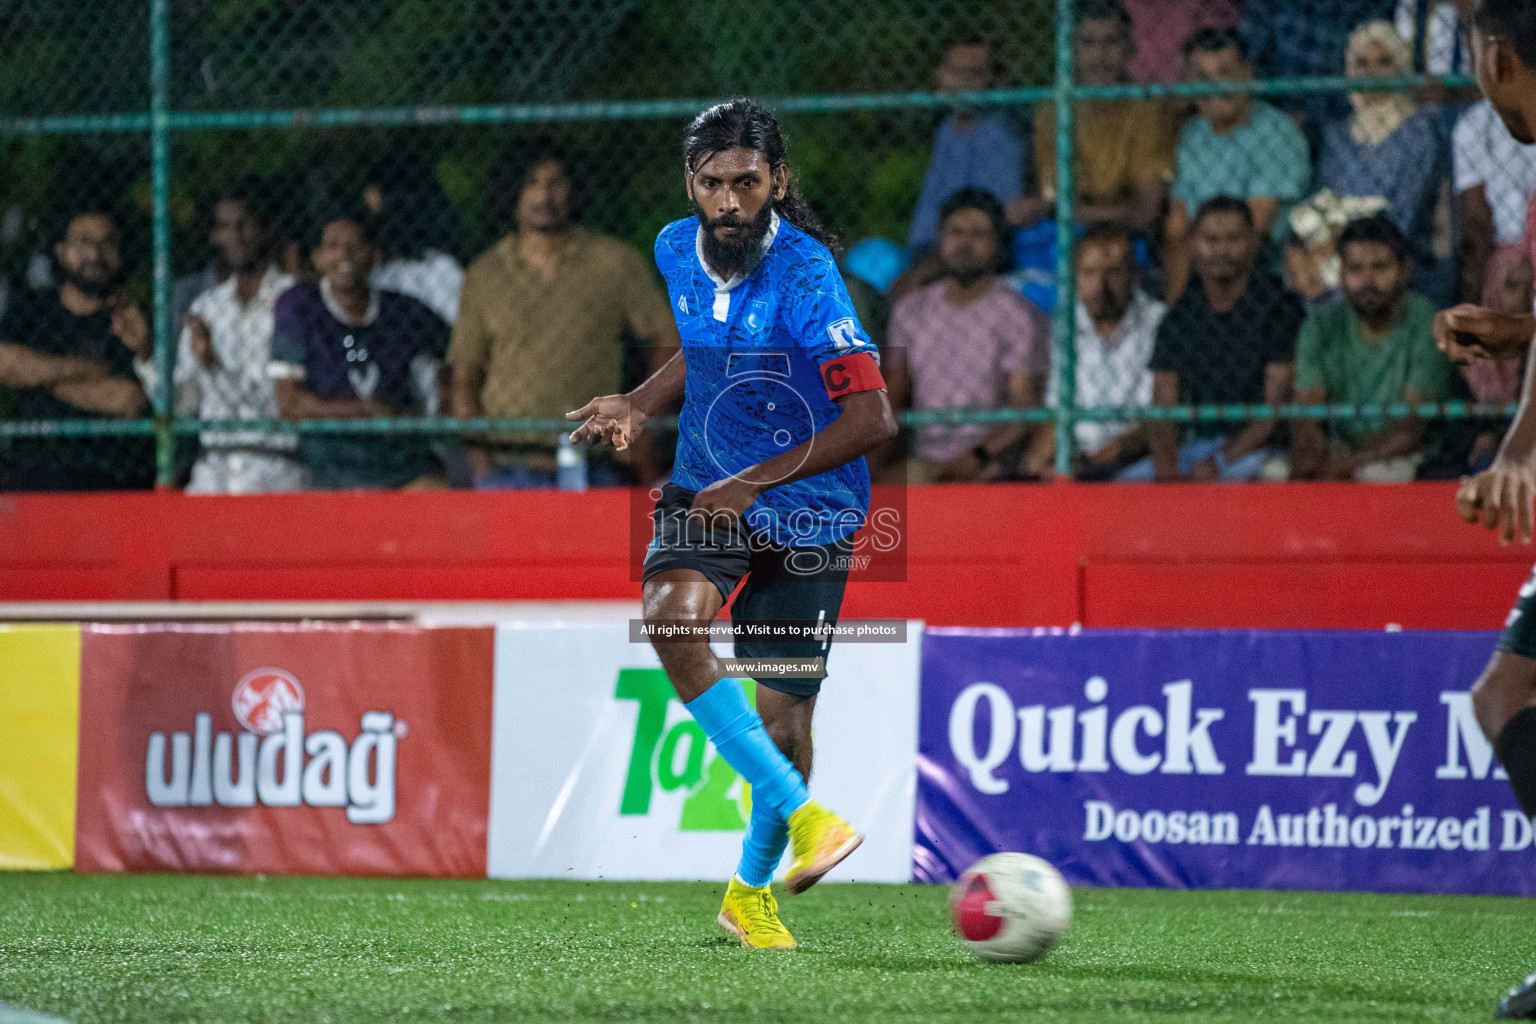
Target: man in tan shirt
{"x": 541, "y": 324}
{"x": 1124, "y": 147}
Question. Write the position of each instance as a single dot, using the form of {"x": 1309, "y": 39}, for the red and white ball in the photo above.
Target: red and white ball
{"x": 1010, "y": 907}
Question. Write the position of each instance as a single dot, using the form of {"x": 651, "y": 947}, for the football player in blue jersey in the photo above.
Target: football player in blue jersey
{"x": 782, "y": 398}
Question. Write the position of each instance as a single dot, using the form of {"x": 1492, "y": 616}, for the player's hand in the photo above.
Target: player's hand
{"x": 1501, "y": 498}
{"x": 1468, "y": 332}
{"x": 611, "y": 419}
{"x": 731, "y": 497}
{"x": 202, "y": 341}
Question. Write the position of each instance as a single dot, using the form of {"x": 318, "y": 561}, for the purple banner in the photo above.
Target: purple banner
{"x": 1206, "y": 759}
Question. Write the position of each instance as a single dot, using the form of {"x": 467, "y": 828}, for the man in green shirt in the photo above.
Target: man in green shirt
{"x": 1377, "y": 346}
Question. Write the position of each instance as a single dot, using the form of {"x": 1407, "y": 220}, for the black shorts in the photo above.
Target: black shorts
{"x": 1520, "y": 628}
{"x": 802, "y": 584}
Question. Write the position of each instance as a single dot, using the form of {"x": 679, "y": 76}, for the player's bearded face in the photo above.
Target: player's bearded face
{"x": 738, "y": 253}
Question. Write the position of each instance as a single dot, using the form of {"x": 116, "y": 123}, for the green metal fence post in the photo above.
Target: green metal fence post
{"x": 160, "y": 213}
{"x": 1064, "y": 335}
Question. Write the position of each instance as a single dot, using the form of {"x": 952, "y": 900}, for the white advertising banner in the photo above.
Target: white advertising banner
{"x": 598, "y": 771}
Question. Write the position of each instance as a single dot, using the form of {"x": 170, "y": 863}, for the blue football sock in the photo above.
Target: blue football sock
{"x": 738, "y": 733}
{"x": 767, "y": 835}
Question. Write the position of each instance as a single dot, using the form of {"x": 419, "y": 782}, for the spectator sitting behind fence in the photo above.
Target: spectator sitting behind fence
{"x": 967, "y": 342}
{"x": 1495, "y": 177}
{"x": 975, "y": 149}
{"x": 1389, "y": 148}
{"x": 1377, "y": 346}
{"x": 1304, "y": 39}
{"x": 1238, "y": 146}
{"x": 1497, "y": 381}
{"x": 189, "y": 286}
{"x": 1117, "y": 326}
{"x": 1124, "y": 148}
{"x": 542, "y": 321}
{"x": 69, "y": 352}
{"x": 342, "y": 349}
{"x": 418, "y": 232}
{"x": 1434, "y": 29}
{"x": 1163, "y": 27}
{"x": 1229, "y": 340}
{"x": 224, "y": 352}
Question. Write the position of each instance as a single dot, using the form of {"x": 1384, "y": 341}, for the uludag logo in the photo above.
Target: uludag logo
{"x": 267, "y": 763}
{"x": 263, "y": 696}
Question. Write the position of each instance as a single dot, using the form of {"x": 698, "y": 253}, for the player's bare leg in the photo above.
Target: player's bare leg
{"x": 821, "y": 839}
{"x": 1506, "y": 688}
{"x": 684, "y": 595}
{"x": 788, "y": 721}
{"x": 1504, "y": 699}
{"x": 693, "y": 667}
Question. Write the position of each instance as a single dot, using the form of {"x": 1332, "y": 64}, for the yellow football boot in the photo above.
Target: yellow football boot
{"x": 752, "y": 915}
{"x": 820, "y": 841}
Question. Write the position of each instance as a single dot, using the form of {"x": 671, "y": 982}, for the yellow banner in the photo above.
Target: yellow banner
{"x": 39, "y": 744}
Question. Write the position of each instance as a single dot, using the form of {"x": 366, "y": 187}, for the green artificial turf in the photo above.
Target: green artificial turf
{"x": 163, "y": 948}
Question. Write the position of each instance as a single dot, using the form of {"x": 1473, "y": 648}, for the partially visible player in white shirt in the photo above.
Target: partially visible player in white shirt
{"x": 222, "y": 357}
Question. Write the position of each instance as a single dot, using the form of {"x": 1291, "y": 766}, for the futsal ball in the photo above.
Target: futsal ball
{"x": 1010, "y": 907}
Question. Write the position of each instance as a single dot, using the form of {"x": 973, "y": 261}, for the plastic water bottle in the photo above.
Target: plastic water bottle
{"x": 570, "y": 465}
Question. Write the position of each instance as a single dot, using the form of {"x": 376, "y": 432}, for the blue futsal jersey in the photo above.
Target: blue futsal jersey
{"x": 761, "y": 355}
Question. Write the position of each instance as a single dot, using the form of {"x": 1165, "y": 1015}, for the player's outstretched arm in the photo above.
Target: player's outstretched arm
{"x": 619, "y": 419}
{"x": 866, "y": 423}
{"x": 1468, "y": 332}
{"x": 1501, "y": 496}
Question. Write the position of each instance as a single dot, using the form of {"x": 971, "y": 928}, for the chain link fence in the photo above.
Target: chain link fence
{"x": 253, "y": 246}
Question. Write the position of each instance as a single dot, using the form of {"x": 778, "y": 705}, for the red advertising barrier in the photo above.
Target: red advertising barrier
{"x": 347, "y": 748}
{"x": 1305, "y": 556}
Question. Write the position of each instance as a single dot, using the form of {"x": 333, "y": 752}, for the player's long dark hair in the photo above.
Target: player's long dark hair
{"x": 747, "y": 124}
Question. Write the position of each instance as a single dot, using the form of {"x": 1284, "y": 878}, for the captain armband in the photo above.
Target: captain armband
{"x": 845, "y": 375}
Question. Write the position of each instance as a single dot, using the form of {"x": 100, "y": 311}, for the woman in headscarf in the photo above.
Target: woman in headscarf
{"x": 1389, "y": 148}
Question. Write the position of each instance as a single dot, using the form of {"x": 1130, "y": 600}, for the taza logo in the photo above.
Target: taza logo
{"x": 678, "y": 757}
